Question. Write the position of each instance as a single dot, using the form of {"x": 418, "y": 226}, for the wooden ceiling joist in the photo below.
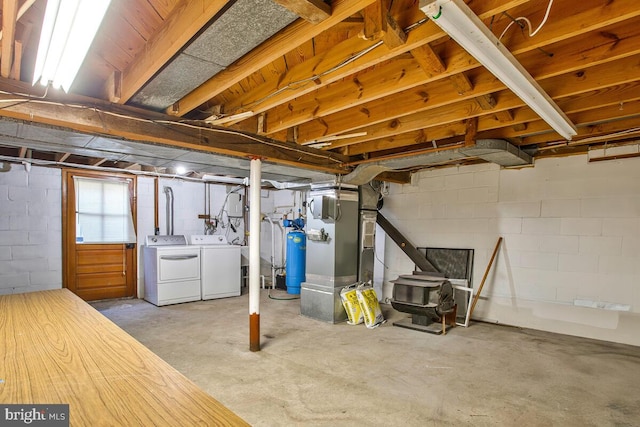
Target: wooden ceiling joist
{"x": 380, "y": 25}
{"x": 471, "y": 132}
{"x": 264, "y": 54}
{"x": 9, "y": 21}
{"x": 314, "y": 11}
{"x": 185, "y": 20}
{"x": 295, "y": 112}
{"x": 351, "y": 119}
{"x": 62, "y": 157}
{"x": 271, "y": 94}
{"x": 21, "y": 11}
{"x": 17, "y": 61}
{"x": 97, "y": 162}
{"x": 428, "y": 60}
{"x": 441, "y": 123}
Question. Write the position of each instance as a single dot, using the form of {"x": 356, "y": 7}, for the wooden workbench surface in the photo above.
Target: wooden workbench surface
{"x": 55, "y": 348}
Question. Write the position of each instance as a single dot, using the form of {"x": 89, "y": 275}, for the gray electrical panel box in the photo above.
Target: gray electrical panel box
{"x": 323, "y": 207}
{"x": 235, "y": 206}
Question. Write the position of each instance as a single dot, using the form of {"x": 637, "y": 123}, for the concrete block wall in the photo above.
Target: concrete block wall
{"x": 30, "y": 229}
{"x": 571, "y": 233}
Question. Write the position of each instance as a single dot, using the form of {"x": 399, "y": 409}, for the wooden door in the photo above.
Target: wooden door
{"x": 96, "y": 270}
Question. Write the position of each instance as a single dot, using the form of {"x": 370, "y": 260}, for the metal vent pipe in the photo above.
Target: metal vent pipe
{"x": 169, "y": 194}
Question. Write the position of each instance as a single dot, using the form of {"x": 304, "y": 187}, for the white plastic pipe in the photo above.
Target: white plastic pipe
{"x": 254, "y": 254}
{"x": 273, "y": 253}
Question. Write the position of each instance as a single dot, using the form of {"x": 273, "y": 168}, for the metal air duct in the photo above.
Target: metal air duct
{"x": 496, "y": 151}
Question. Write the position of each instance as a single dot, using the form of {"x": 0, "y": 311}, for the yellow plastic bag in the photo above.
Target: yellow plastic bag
{"x": 370, "y": 306}
{"x": 351, "y": 305}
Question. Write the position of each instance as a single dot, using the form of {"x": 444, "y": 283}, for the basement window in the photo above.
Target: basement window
{"x": 103, "y": 211}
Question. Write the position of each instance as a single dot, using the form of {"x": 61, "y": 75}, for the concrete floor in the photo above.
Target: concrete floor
{"x": 316, "y": 374}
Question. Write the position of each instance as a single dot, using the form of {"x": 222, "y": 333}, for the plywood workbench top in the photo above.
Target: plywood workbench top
{"x": 55, "y": 348}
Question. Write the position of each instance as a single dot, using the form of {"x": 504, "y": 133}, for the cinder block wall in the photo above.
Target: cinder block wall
{"x": 30, "y": 229}
{"x": 571, "y": 234}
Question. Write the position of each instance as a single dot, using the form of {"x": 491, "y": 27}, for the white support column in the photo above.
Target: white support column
{"x": 254, "y": 254}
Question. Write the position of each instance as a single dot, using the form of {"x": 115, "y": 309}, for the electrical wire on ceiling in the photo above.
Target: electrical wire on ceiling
{"x": 526, "y": 20}
{"x": 294, "y": 84}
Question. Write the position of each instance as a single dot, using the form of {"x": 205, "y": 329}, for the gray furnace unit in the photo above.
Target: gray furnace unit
{"x": 332, "y": 250}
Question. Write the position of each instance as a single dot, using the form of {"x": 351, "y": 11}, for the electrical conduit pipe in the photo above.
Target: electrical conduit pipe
{"x": 273, "y": 252}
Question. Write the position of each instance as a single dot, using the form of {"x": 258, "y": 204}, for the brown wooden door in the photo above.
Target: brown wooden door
{"x": 91, "y": 270}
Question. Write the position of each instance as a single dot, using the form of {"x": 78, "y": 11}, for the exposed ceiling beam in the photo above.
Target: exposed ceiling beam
{"x": 61, "y": 157}
{"x": 471, "y": 131}
{"x": 428, "y": 60}
{"x": 380, "y": 25}
{"x": 610, "y": 131}
{"x": 23, "y": 9}
{"x": 278, "y": 45}
{"x": 446, "y": 126}
{"x": 296, "y": 79}
{"x": 592, "y": 97}
{"x": 9, "y": 21}
{"x": 97, "y": 117}
{"x": 592, "y": 116}
{"x": 377, "y": 111}
{"x": 97, "y": 162}
{"x": 16, "y": 67}
{"x": 381, "y": 82}
{"x": 185, "y": 20}
{"x": 314, "y": 11}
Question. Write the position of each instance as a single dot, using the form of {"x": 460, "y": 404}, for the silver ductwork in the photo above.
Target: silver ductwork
{"x": 168, "y": 191}
{"x": 496, "y": 151}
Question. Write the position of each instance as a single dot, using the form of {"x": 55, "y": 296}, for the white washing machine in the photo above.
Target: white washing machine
{"x": 220, "y": 271}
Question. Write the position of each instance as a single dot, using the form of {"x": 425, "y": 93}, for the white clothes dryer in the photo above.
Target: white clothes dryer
{"x": 220, "y": 271}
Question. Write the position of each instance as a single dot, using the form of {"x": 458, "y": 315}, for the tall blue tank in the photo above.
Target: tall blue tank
{"x": 296, "y": 260}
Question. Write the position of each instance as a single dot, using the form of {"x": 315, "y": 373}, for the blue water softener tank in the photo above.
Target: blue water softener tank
{"x": 296, "y": 256}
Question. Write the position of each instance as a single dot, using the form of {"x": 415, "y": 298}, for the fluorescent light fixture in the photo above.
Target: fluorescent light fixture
{"x": 68, "y": 29}
{"x": 463, "y": 26}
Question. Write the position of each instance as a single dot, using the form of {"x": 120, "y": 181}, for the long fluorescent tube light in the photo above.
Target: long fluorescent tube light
{"x": 463, "y": 26}
{"x": 68, "y": 30}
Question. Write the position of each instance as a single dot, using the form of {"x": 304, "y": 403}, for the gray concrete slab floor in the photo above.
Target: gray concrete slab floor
{"x": 311, "y": 373}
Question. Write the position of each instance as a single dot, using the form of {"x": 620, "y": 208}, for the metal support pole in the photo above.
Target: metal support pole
{"x": 254, "y": 255}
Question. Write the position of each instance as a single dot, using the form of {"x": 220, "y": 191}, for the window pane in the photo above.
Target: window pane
{"x": 103, "y": 213}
